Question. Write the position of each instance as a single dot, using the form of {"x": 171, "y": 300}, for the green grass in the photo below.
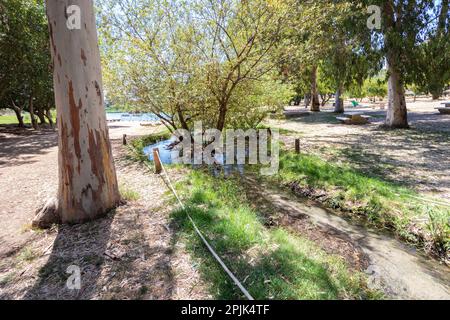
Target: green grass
{"x": 27, "y": 255}
{"x": 12, "y": 119}
{"x": 271, "y": 262}
{"x": 382, "y": 203}
{"x": 128, "y": 194}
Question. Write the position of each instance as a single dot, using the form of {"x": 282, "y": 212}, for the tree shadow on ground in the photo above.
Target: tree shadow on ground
{"x": 116, "y": 259}
{"x": 404, "y": 157}
{"x": 397, "y": 157}
{"x": 20, "y": 146}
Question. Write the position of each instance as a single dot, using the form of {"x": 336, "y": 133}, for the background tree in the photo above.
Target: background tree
{"x": 189, "y": 61}
{"x": 25, "y": 70}
{"x": 406, "y": 25}
{"x": 433, "y": 57}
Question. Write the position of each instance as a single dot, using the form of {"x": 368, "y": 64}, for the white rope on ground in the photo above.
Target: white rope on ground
{"x": 210, "y": 248}
{"x": 437, "y": 202}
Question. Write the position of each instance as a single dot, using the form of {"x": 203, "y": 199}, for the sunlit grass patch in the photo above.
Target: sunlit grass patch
{"x": 271, "y": 262}
{"x": 128, "y": 194}
{"x": 382, "y": 203}
{"x": 27, "y": 255}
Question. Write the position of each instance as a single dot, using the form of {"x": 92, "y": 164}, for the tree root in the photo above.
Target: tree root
{"x": 46, "y": 215}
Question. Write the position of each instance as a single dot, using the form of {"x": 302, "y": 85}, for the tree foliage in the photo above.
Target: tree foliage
{"x": 25, "y": 69}
{"x": 192, "y": 60}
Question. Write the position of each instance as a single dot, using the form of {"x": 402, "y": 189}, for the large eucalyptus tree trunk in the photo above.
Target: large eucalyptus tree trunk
{"x": 315, "y": 102}
{"x": 87, "y": 178}
{"x": 397, "y": 116}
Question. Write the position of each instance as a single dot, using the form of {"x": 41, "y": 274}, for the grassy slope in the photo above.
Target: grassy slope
{"x": 382, "y": 203}
{"x": 274, "y": 263}
{"x": 271, "y": 262}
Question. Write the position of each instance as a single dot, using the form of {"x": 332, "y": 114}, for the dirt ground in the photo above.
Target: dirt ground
{"x": 132, "y": 253}
{"x": 418, "y": 158}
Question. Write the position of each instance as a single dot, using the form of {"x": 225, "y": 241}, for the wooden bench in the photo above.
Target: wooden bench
{"x": 444, "y": 110}
{"x": 296, "y": 113}
{"x": 354, "y": 119}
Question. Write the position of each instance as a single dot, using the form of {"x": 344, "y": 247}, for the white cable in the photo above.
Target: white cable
{"x": 210, "y": 248}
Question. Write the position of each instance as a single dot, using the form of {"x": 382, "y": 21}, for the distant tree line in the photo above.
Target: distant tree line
{"x": 26, "y": 83}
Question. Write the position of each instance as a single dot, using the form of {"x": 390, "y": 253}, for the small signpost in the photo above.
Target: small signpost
{"x": 157, "y": 161}
{"x": 297, "y": 146}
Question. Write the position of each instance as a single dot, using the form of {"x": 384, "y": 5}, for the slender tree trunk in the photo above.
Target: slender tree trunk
{"x": 315, "y": 101}
{"x": 48, "y": 114}
{"x": 32, "y": 116}
{"x": 87, "y": 178}
{"x": 339, "y": 102}
{"x": 40, "y": 114}
{"x": 18, "y": 112}
{"x": 222, "y": 116}
{"x": 307, "y": 100}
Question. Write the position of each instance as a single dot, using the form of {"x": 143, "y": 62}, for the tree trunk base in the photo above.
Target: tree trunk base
{"x": 395, "y": 126}
{"x": 47, "y": 215}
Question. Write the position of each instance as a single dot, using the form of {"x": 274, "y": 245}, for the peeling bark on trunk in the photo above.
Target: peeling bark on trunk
{"x": 397, "y": 113}
{"x": 339, "y": 102}
{"x": 87, "y": 178}
{"x": 315, "y": 102}
{"x": 397, "y": 116}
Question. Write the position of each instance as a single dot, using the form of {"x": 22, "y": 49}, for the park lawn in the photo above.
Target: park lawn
{"x": 271, "y": 262}
{"x": 381, "y": 203}
{"x": 12, "y": 119}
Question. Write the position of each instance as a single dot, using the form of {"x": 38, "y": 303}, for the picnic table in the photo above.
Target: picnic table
{"x": 445, "y": 109}
{"x": 354, "y": 118}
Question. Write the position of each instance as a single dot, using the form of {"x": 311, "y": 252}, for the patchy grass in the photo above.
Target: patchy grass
{"x": 128, "y": 194}
{"x": 271, "y": 262}
{"x": 6, "y": 279}
{"x": 381, "y": 203}
{"x": 27, "y": 255}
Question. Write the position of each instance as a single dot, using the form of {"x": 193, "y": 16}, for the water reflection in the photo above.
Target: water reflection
{"x": 220, "y": 166}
